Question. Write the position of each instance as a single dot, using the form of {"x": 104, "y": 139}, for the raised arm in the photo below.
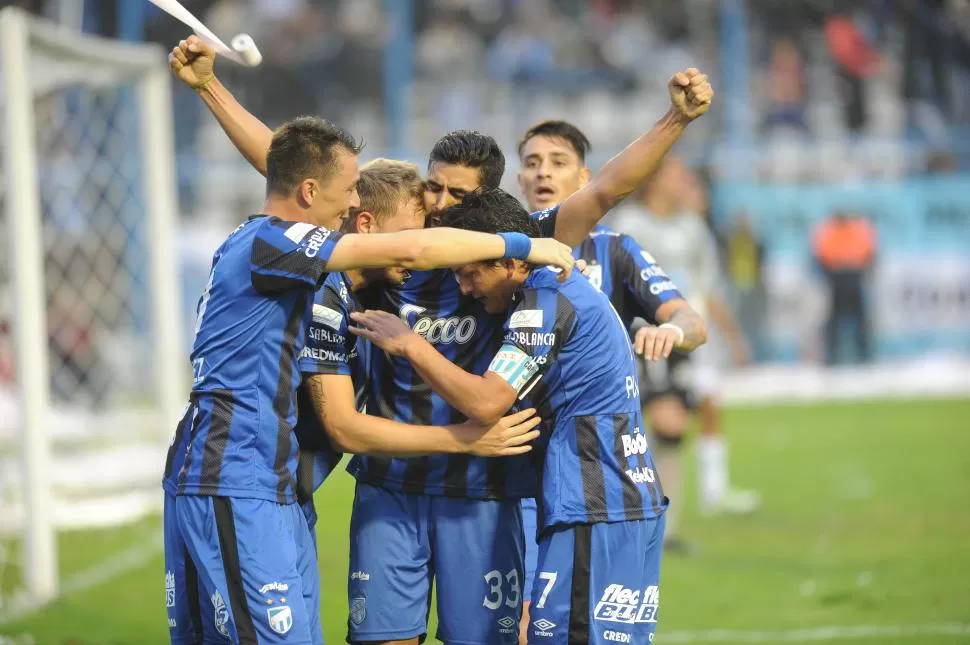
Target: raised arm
{"x": 690, "y": 95}
{"x": 192, "y": 61}
{"x": 484, "y": 399}
{"x": 442, "y": 247}
{"x": 351, "y": 431}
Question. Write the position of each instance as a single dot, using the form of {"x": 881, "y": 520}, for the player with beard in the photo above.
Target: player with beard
{"x": 552, "y": 155}
{"x": 453, "y": 520}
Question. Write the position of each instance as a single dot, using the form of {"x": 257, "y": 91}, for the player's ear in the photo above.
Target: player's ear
{"x": 307, "y": 191}
{"x": 366, "y": 222}
{"x": 584, "y": 175}
{"x": 521, "y": 179}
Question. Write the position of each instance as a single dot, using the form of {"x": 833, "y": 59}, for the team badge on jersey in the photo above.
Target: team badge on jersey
{"x": 358, "y": 610}
{"x": 280, "y": 619}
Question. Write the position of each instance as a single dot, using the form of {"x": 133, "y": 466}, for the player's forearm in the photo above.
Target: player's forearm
{"x": 690, "y": 322}
{"x": 363, "y": 434}
{"x": 627, "y": 170}
{"x": 467, "y": 393}
{"x": 617, "y": 179}
{"x": 250, "y": 135}
{"x": 332, "y": 398}
{"x": 450, "y": 247}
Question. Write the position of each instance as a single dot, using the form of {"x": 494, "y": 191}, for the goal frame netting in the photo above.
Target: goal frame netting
{"x": 144, "y": 67}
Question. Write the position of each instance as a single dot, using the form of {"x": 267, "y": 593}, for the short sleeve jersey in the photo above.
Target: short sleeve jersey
{"x": 252, "y": 323}
{"x": 567, "y": 353}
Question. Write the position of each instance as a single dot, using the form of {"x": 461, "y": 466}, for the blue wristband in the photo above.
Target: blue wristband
{"x": 517, "y": 246}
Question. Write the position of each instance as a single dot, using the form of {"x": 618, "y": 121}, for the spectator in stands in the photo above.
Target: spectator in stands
{"x": 744, "y": 258}
{"x": 450, "y": 52}
{"x": 856, "y": 60}
{"x": 926, "y": 45}
{"x": 526, "y": 50}
{"x": 786, "y": 89}
{"x": 844, "y": 246}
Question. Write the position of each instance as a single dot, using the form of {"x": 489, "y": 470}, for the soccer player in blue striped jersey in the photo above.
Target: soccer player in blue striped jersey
{"x": 391, "y": 201}
{"x": 401, "y": 546}
{"x": 236, "y": 508}
{"x": 331, "y": 419}
{"x": 567, "y": 352}
{"x": 552, "y": 156}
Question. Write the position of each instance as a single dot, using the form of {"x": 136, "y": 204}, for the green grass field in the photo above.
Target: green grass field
{"x": 865, "y": 524}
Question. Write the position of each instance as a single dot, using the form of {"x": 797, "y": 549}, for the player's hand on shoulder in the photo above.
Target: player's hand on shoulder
{"x": 548, "y": 251}
{"x": 509, "y": 436}
{"x": 192, "y": 60}
{"x": 690, "y": 93}
{"x": 385, "y": 330}
{"x": 655, "y": 343}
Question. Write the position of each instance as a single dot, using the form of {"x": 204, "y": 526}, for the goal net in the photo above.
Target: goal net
{"x": 91, "y": 362}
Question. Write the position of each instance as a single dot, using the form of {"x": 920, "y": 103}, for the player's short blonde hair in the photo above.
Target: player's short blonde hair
{"x": 384, "y": 185}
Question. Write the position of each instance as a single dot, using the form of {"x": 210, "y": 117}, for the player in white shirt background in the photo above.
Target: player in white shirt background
{"x": 664, "y": 217}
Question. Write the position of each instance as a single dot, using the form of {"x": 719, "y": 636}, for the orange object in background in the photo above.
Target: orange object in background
{"x": 843, "y": 242}
{"x": 850, "y": 48}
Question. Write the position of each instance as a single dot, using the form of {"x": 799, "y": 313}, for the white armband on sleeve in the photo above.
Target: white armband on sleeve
{"x": 514, "y": 366}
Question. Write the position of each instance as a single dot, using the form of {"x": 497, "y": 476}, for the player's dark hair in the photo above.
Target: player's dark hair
{"x": 472, "y": 149}
{"x": 305, "y": 147}
{"x": 558, "y": 130}
{"x": 490, "y": 210}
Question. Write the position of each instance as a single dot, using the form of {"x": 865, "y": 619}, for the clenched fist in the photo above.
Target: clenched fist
{"x": 192, "y": 62}
{"x": 690, "y": 93}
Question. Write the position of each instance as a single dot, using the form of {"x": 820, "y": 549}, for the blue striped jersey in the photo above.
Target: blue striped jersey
{"x": 330, "y": 349}
{"x": 628, "y": 275}
{"x": 250, "y": 331}
{"x": 432, "y": 304}
{"x": 620, "y": 268}
{"x": 566, "y": 352}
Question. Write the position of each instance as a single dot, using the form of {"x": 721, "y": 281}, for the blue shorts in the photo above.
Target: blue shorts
{"x": 190, "y": 616}
{"x": 597, "y": 584}
{"x": 258, "y": 565}
{"x": 530, "y": 529}
{"x": 471, "y": 548}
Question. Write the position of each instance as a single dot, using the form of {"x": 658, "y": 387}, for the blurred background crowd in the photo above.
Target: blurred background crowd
{"x": 831, "y": 170}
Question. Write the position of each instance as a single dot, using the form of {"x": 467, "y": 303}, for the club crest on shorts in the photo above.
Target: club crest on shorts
{"x": 221, "y": 618}
{"x": 169, "y": 589}
{"x": 280, "y": 619}
{"x": 358, "y": 610}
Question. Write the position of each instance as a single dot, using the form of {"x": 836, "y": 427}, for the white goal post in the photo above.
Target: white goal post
{"x": 49, "y": 70}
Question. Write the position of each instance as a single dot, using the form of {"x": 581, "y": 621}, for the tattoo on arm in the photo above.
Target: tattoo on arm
{"x": 318, "y": 398}
{"x": 695, "y": 331}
